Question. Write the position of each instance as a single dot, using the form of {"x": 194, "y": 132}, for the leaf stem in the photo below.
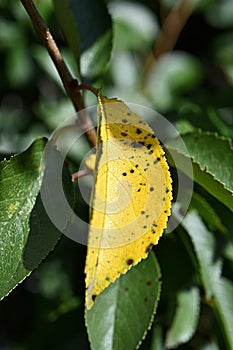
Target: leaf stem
{"x": 70, "y": 84}
{"x": 80, "y": 173}
{"x": 88, "y": 87}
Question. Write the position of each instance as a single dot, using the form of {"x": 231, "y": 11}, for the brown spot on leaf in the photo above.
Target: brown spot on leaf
{"x": 129, "y": 261}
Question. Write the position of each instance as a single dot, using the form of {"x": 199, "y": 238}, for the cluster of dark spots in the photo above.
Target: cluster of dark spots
{"x": 141, "y": 184}
{"x": 124, "y": 134}
{"x": 151, "y": 189}
{"x": 93, "y": 297}
{"x": 124, "y": 174}
{"x": 148, "y": 283}
{"x": 153, "y": 231}
{"x": 124, "y": 121}
{"x": 149, "y": 146}
{"x": 145, "y": 169}
{"x": 129, "y": 261}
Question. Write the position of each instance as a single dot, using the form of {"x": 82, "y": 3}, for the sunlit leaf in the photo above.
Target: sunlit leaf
{"x": 131, "y": 198}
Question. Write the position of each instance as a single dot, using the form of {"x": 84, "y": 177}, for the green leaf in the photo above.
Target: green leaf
{"x": 216, "y": 287}
{"x": 69, "y": 25}
{"x": 207, "y": 213}
{"x": 212, "y": 160}
{"x": 174, "y": 279}
{"x": 213, "y": 153}
{"x": 172, "y": 74}
{"x": 135, "y": 27}
{"x": 26, "y": 233}
{"x": 205, "y": 247}
{"x": 186, "y": 318}
{"x": 123, "y": 313}
{"x": 224, "y": 308}
{"x": 157, "y": 338}
{"x": 87, "y": 27}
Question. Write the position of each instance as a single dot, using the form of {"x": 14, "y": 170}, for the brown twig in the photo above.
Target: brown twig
{"x": 70, "y": 84}
{"x": 80, "y": 173}
{"x": 171, "y": 30}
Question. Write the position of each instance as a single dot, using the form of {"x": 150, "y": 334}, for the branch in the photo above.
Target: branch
{"x": 70, "y": 84}
{"x": 171, "y": 29}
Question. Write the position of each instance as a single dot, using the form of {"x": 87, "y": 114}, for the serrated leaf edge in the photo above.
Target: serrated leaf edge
{"x": 188, "y": 337}
{"x": 155, "y": 305}
{"x": 208, "y": 133}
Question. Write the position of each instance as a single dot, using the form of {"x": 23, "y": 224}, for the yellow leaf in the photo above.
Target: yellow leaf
{"x": 131, "y": 198}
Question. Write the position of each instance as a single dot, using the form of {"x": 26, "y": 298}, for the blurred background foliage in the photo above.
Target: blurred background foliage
{"x": 191, "y": 86}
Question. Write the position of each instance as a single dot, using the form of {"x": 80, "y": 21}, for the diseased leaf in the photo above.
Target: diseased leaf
{"x": 131, "y": 198}
{"x": 123, "y": 313}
